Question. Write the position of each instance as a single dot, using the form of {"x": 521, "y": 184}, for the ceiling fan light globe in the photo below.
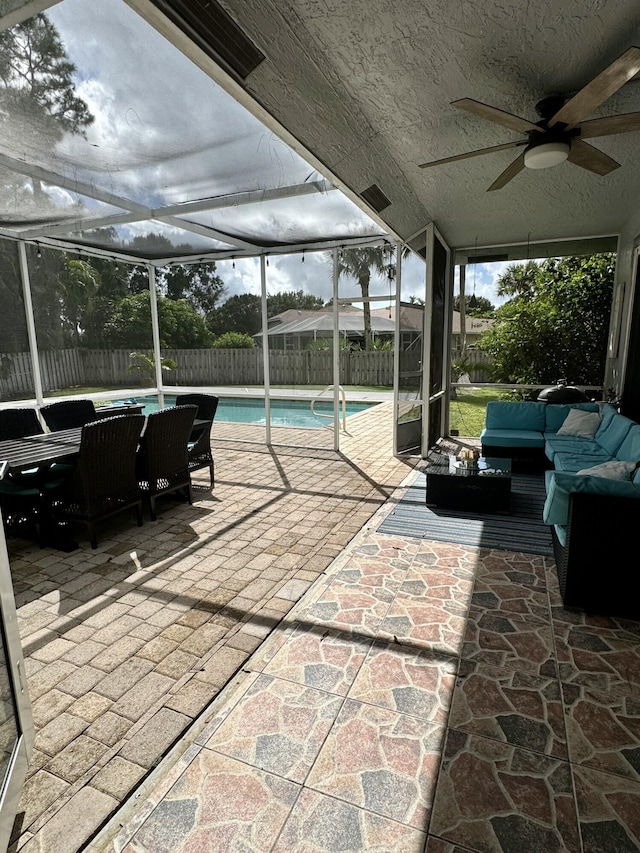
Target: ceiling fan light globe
{"x": 546, "y": 154}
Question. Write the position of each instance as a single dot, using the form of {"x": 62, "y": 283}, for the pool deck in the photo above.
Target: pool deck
{"x": 125, "y": 646}
{"x": 287, "y": 393}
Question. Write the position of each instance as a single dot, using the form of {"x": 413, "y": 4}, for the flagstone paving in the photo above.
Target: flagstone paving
{"x": 421, "y": 696}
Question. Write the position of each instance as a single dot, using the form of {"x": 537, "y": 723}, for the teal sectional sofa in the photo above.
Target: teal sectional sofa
{"x": 592, "y": 479}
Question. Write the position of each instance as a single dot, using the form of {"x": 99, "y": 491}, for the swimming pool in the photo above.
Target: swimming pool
{"x": 250, "y": 410}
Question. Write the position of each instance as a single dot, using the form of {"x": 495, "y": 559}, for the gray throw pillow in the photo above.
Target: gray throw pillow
{"x": 580, "y": 424}
{"x": 613, "y": 470}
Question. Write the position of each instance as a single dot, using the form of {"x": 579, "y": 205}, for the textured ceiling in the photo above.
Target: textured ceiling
{"x": 366, "y": 87}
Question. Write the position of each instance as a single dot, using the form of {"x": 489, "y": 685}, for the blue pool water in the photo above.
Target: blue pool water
{"x": 250, "y": 410}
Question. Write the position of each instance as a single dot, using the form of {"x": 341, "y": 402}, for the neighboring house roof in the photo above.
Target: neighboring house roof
{"x": 296, "y": 322}
{"x": 321, "y": 321}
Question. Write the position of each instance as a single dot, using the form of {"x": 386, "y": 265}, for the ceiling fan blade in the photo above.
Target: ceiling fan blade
{"x": 608, "y": 126}
{"x": 522, "y": 125}
{"x": 599, "y": 89}
{"x": 590, "y": 158}
{"x": 509, "y": 173}
{"x": 477, "y": 153}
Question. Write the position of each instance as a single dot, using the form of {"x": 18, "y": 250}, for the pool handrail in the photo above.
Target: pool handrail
{"x": 344, "y": 405}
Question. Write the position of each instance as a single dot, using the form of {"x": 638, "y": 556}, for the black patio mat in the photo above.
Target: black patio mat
{"x": 521, "y": 529}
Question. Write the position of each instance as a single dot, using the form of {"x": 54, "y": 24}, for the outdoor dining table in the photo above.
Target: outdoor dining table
{"x": 44, "y": 449}
{"x": 41, "y": 451}
{"x": 34, "y": 451}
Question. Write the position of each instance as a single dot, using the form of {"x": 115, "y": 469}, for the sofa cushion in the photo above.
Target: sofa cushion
{"x": 613, "y": 470}
{"x": 515, "y": 415}
{"x": 574, "y": 462}
{"x": 556, "y": 413}
{"x": 612, "y": 430}
{"x": 570, "y": 444}
{"x": 560, "y": 486}
{"x": 629, "y": 450}
{"x": 580, "y": 424}
{"x": 511, "y": 438}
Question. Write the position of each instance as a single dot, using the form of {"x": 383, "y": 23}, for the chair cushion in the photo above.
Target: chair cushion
{"x": 613, "y": 429}
{"x": 511, "y": 438}
{"x": 629, "y": 450}
{"x": 576, "y": 446}
{"x": 516, "y": 415}
{"x": 574, "y": 462}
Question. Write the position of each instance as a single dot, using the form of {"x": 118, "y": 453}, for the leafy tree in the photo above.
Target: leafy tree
{"x": 197, "y": 283}
{"x": 13, "y": 323}
{"x": 234, "y": 340}
{"x": 475, "y": 306}
{"x": 36, "y": 82}
{"x": 137, "y": 279}
{"x": 46, "y": 275}
{"x": 292, "y": 299}
{"x": 81, "y": 284}
{"x": 518, "y": 279}
{"x": 359, "y": 264}
{"x": 556, "y": 324}
{"x": 180, "y": 326}
{"x": 112, "y": 287}
{"x": 242, "y": 313}
{"x": 33, "y": 63}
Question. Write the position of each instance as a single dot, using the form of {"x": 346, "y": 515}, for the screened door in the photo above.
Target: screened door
{"x": 421, "y": 386}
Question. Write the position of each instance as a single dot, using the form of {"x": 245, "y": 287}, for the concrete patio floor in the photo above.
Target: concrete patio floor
{"x": 126, "y": 645}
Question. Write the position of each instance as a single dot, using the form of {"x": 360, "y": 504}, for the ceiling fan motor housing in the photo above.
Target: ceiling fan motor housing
{"x": 549, "y": 106}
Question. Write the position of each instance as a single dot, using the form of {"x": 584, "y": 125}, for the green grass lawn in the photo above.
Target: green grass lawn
{"x": 467, "y": 411}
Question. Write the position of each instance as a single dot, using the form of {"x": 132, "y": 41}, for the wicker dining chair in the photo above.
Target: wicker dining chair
{"x": 19, "y": 423}
{"x": 68, "y": 414}
{"x": 200, "y": 453}
{"x": 104, "y": 480}
{"x": 163, "y": 463}
{"x": 21, "y": 507}
{"x": 15, "y": 424}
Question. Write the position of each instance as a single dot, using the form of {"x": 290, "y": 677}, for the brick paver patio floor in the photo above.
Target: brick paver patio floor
{"x": 126, "y": 645}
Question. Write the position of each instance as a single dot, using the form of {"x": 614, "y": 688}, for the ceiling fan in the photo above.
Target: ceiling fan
{"x": 561, "y": 131}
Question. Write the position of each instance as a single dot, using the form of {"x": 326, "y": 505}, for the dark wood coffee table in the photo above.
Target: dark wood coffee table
{"x": 483, "y": 486}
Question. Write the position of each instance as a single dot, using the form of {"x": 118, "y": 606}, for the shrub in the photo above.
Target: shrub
{"x": 234, "y": 340}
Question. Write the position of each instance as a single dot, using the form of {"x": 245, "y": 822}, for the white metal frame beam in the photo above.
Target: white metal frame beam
{"x": 24, "y": 11}
{"x": 171, "y": 210}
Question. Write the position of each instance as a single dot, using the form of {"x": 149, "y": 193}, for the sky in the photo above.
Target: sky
{"x": 153, "y": 125}
{"x": 314, "y": 276}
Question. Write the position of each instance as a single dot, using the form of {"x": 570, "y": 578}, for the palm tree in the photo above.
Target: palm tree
{"x": 358, "y": 264}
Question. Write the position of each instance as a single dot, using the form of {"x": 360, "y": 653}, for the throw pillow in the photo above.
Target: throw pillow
{"x": 614, "y": 470}
{"x": 580, "y": 424}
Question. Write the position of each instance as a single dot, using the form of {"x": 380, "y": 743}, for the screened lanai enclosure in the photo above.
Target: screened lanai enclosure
{"x": 150, "y": 213}
{"x": 151, "y": 219}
